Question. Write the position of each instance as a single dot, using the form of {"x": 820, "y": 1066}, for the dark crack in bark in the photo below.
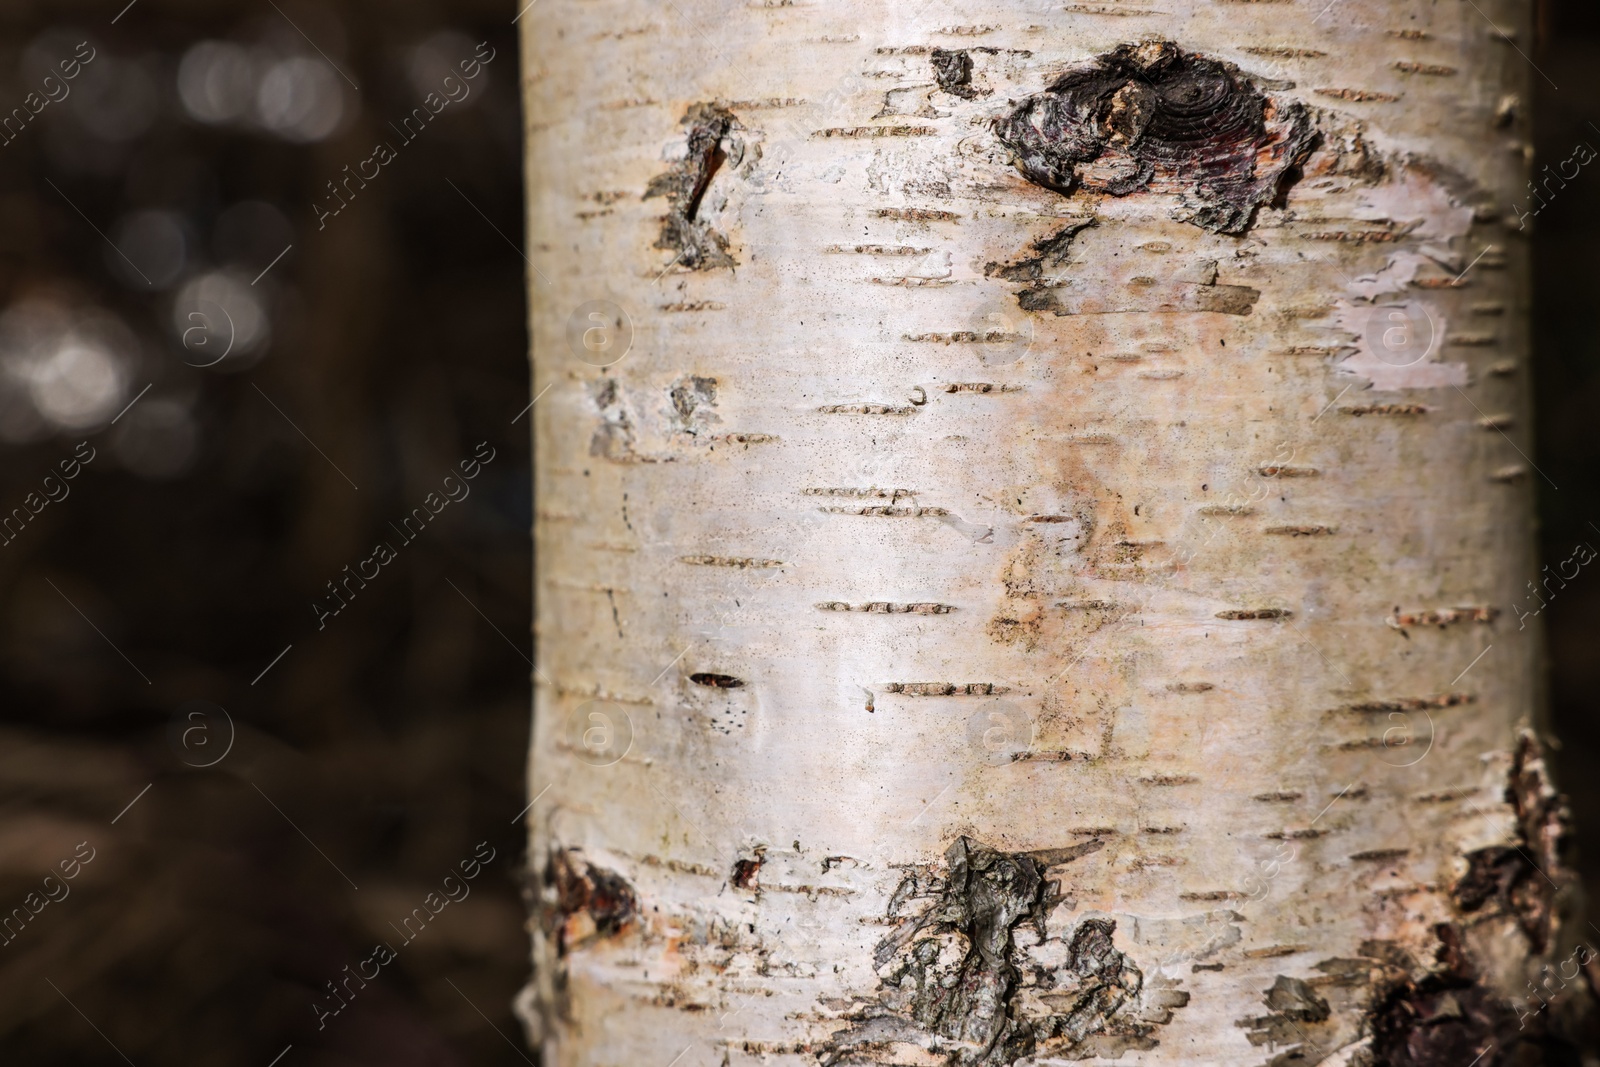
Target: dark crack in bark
{"x": 957, "y": 982}
{"x": 1153, "y": 118}
{"x": 710, "y": 145}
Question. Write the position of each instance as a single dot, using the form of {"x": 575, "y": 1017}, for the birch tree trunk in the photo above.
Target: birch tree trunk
{"x": 1033, "y": 528}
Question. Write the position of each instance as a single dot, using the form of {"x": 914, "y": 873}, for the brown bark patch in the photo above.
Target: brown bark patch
{"x": 1153, "y": 118}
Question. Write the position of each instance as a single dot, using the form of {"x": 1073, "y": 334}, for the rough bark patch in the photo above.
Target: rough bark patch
{"x": 1525, "y": 879}
{"x": 1447, "y": 1018}
{"x": 952, "y": 68}
{"x": 1153, "y": 118}
{"x": 957, "y": 982}
{"x": 699, "y": 246}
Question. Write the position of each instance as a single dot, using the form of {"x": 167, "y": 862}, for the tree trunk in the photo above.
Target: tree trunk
{"x": 1034, "y": 537}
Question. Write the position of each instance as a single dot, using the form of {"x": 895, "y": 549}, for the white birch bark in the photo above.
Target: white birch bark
{"x": 927, "y": 680}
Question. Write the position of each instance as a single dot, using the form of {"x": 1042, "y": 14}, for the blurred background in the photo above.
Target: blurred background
{"x": 1566, "y": 361}
{"x": 223, "y": 382}
{"x": 238, "y": 347}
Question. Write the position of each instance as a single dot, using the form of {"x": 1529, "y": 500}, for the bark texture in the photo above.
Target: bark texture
{"x": 1030, "y": 501}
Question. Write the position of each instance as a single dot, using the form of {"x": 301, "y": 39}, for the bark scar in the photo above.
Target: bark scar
{"x": 709, "y": 146}
{"x": 1151, "y": 117}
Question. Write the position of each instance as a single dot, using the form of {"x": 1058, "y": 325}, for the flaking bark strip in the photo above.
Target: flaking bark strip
{"x": 1386, "y": 409}
{"x": 1427, "y": 703}
{"x": 915, "y": 214}
{"x": 875, "y": 132}
{"x": 1304, "y": 530}
{"x": 887, "y": 511}
{"x": 964, "y": 337}
{"x": 860, "y": 492}
{"x": 1153, "y": 118}
{"x": 1441, "y": 617}
{"x": 886, "y": 607}
{"x": 946, "y": 689}
{"x": 866, "y": 409}
{"x": 1357, "y": 95}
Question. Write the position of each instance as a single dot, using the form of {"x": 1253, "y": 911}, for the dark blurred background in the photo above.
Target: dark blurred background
{"x": 302, "y": 782}
{"x": 1566, "y": 380}
{"x": 294, "y": 390}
